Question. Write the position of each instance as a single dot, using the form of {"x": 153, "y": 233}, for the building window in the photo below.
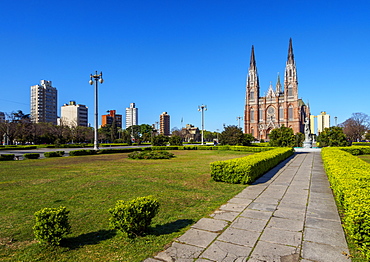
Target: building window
{"x": 281, "y": 113}
{"x": 252, "y": 131}
{"x": 290, "y": 91}
{"x": 261, "y": 114}
{"x": 252, "y": 95}
{"x": 290, "y": 113}
{"x": 252, "y": 114}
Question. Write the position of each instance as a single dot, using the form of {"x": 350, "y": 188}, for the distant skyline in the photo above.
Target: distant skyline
{"x": 173, "y": 56}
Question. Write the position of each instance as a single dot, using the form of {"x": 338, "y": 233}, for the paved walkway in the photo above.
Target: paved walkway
{"x": 287, "y": 215}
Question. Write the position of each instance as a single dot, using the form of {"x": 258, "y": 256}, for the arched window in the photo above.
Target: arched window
{"x": 252, "y": 115}
{"x": 252, "y": 95}
{"x": 290, "y": 112}
{"x": 281, "y": 113}
{"x": 252, "y": 131}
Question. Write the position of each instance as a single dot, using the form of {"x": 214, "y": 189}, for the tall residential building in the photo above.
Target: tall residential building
{"x": 111, "y": 118}
{"x": 131, "y": 115}
{"x": 44, "y": 103}
{"x": 323, "y": 121}
{"x": 73, "y": 114}
{"x": 2, "y": 117}
{"x": 280, "y": 106}
{"x": 164, "y": 122}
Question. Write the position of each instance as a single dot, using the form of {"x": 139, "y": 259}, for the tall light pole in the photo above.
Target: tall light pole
{"x": 238, "y": 118}
{"x": 202, "y": 108}
{"x": 97, "y": 78}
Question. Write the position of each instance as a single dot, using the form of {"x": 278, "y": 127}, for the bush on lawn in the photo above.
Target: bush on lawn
{"x": 54, "y": 154}
{"x": 134, "y": 217}
{"x": 31, "y": 155}
{"x": 247, "y": 169}
{"x": 51, "y": 225}
{"x": 151, "y": 155}
{"x": 6, "y": 157}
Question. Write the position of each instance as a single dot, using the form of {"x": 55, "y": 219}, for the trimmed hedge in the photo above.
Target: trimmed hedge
{"x": 6, "y": 157}
{"x": 54, "y": 154}
{"x": 356, "y": 150}
{"x": 247, "y": 169}
{"x": 118, "y": 150}
{"x": 361, "y": 143}
{"x": 16, "y": 147}
{"x": 31, "y": 155}
{"x": 82, "y": 152}
{"x": 349, "y": 177}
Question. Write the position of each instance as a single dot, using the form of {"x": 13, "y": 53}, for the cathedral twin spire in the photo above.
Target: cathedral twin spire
{"x": 290, "y": 78}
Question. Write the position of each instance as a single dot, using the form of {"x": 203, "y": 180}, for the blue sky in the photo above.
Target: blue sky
{"x": 176, "y": 55}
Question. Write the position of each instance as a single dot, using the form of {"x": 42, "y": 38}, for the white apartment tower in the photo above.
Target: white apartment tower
{"x": 44, "y": 103}
{"x": 2, "y": 117}
{"x": 131, "y": 115}
{"x": 73, "y": 114}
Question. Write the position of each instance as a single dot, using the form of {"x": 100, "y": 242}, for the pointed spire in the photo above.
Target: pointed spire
{"x": 278, "y": 85}
{"x": 252, "y": 64}
{"x": 290, "y": 53}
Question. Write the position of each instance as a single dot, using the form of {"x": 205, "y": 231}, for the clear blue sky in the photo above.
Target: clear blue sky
{"x": 176, "y": 55}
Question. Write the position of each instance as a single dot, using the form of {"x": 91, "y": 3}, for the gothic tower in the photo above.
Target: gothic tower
{"x": 279, "y": 107}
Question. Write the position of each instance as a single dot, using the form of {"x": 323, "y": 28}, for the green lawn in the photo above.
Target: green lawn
{"x": 89, "y": 185}
{"x": 365, "y": 158}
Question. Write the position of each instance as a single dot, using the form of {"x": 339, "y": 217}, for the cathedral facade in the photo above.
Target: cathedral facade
{"x": 281, "y": 105}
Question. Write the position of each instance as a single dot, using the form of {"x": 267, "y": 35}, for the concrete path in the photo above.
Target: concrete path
{"x": 287, "y": 215}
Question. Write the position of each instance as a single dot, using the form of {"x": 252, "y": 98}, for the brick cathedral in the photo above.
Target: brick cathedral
{"x": 280, "y": 106}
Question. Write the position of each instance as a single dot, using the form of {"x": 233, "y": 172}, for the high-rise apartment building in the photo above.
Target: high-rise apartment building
{"x": 164, "y": 122}
{"x": 44, "y": 103}
{"x": 73, "y": 114}
{"x": 131, "y": 115}
{"x": 2, "y": 117}
{"x": 111, "y": 118}
{"x": 323, "y": 121}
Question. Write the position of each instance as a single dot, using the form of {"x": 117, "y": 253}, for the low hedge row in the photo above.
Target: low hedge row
{"x": 31, "y": 155}
{"x": 247, "y": 169}
{"x": 357, "y": 150}
{"x": 349, "y": 177}
{"x": 6, "y": 157}
{"x": 54, "y": 154}
{"x": 361, "y": 143}
{"x": 82, "y": 152}
{"x": 16, "y": 147}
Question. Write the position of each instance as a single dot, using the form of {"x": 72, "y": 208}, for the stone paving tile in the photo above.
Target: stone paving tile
{"x": 249, "y": 224}
{"x": 210, "y": 224}
{"x": 323, "y": 223}
{"x": 179, "y": 252}
{"x": 325, "y": 214}
{"x": 282, "y": 236}
{"x": 325, "y": 236}
{"x": 256, "y": 214}
{"x": 286, "y": 224}
{"x": 324, "y": 253}
{"x": 197, "y": 237}
{"x": 262, "y": 206}
{"x": 226, "y": 252}
{"x": 241, "y": 201}
{"x": 239, "y": 237}
{"x": 290, "y": 213}
{"x": 225, "y": 215}
{"x": 233, "y": 207}
{"x": 272, "y": 252}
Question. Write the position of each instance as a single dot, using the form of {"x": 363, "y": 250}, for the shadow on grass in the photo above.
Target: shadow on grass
{"x": 91, "y": 238}
{"x": 170, "y": 228}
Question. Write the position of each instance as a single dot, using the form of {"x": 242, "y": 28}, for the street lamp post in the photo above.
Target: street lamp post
{"x": 97, "y": 78}
{"x": 239, "y": 118}
{"x": 202, "y": 108}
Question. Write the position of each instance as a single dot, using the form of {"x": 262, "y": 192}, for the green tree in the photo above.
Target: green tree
{"x": 332, "y": 136}
{"x": 175, "y": 140}
{"x": 248, "y": 139}
{"x": 299, "y": 138}
{"x": 159, "y": 140}
{"x": 282, "y": 137}
{"x": 232, "y": 135}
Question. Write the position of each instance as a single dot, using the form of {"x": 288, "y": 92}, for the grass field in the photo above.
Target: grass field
{"x": 89, "y": 185}
{"x": 365, "y": 158}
